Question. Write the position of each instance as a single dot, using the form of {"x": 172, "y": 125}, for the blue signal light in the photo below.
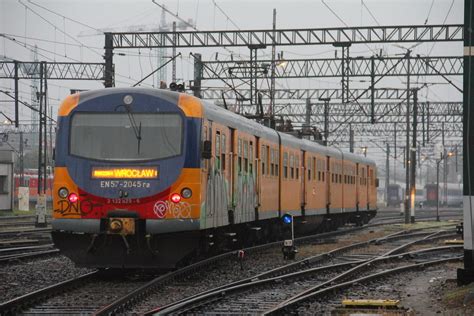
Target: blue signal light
{"x": 287, "y": 218}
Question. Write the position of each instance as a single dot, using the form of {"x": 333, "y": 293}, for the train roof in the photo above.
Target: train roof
{"x": 236, "y": 121}
{"x": 170, "y": 96}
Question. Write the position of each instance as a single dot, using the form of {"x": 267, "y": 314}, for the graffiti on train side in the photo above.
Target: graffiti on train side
{"x": 218, "y": 202}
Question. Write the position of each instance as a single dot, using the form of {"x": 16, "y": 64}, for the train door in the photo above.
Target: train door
{"x": 233, "y": 167}
{"x": 367, "y": 186}
{"x": 328, "y": 184}
{"x": 206, "y": 162}
{"x": 357, "y": 187}
{"x": 258, "y": 176}
{"x": 303, "y": 183}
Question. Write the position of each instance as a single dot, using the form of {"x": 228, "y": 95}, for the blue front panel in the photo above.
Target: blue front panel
{"x": 169, "y": 168}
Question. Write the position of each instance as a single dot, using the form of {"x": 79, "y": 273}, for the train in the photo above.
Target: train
{"x": 427, "y": 195}
{"x": 151, "y": 178}
{"x": 30, "y": 180}
{"x": 395, "y": 194}
{"x": 452, "y": 197}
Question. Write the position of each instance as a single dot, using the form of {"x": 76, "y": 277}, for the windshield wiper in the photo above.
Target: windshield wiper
{"x": 137, "y": 130}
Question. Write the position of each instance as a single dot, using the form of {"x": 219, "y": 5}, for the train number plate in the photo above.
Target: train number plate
{"x": 122, "y": 226}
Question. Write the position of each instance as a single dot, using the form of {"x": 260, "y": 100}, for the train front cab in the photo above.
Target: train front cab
{"x": 115, "y": 211}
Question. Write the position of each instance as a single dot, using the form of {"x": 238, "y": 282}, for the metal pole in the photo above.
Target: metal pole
{"x": 251, "y": 75}
{"x": 351, "y": 138}
{"x": 372, "y": 90}
{"x": 407, "y": 151}
{"x": 395, "y": 152}
{"x": 445, "y": 178}
{"x": 437, "y": 189}
{"x": 40, "y": 134}
{"x": 444, "y": 163}
{"x": 173, "y": 74}
{"x": 292, "y": 231}
{"x": 109, "y": 64}
{"x": 272, "y": 83}
{"x": 413, "y": 157}
{"x": 466, "y": 274}
{"x": 307, "y": 120}
{"x": 387, "y": 173}
{"x": 16, "y": 95}
{"x": 45, "y": 129}
{"x": 22, "y": 165}
{"x": 198, "y": 67}
{"x": 326, "y": 119}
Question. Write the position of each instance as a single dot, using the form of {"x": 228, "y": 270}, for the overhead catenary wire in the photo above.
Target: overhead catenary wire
{"x": 225, "y": 14}
{"x": 444, "y": 23}
{"x": 429, "y": 12}
{"x": 47, "y": 41}
{"x": 370, "y": 12}
{"x": 25, "y": 104}
{"x": 53, "y": 25}
{"x": 63, "y": 16}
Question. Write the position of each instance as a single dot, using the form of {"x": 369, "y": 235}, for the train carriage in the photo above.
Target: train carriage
{"x": 149, "y": 178}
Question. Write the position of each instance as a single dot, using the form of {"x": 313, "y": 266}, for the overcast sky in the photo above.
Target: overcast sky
{"x": 48, "y": 24}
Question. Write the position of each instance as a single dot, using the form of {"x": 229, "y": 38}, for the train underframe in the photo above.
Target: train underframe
{"x": 171, "y": 250}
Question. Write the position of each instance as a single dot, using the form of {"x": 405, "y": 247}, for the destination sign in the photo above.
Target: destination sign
{"x": 125, "y": 173}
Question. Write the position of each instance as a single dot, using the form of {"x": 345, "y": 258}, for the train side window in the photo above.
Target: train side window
{"x": 272, "y": 162}
{"x": 292, "y": 166}
{"x": 246, "y": 157}
{"x": 251, "y": 157}
{"x": 267, "y": 155}
{"x": 218, "y": 150}
{"x": 319, "y": 168}
{"x": 263, "y": 159}
{"x": 223, "y": 151}
{"x": 239, "y": 151}
{"x": 285, "y": 165}
{"x": 309, "y": 169}
{"x": 324, "y": 172}
{"x": 297, "y": 163}
{"x": 277, "y": 163}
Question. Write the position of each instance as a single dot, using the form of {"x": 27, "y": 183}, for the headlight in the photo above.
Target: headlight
{"x": 186, "y": 193}
{"x": 63, "y": 192}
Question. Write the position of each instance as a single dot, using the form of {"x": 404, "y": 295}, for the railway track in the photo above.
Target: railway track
{"x": 19, "y": 221}
{"x": 149, "y": 293}
{"x": 26, "y": 252}
{"x": 124, "y": 291}
{"x": 263, "y": 292}
{"x": 128, "y": 292}
{"x": 87, "y": 284}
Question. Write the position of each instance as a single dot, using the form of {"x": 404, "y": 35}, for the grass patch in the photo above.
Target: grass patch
{"x": 455, "y": 297}
{"x": 427, "y": 224}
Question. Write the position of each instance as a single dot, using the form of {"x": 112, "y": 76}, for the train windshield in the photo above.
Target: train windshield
{"x": 111, "y": 136}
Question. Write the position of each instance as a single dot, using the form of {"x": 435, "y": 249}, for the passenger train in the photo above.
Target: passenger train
{"x": 148, "y": 178}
